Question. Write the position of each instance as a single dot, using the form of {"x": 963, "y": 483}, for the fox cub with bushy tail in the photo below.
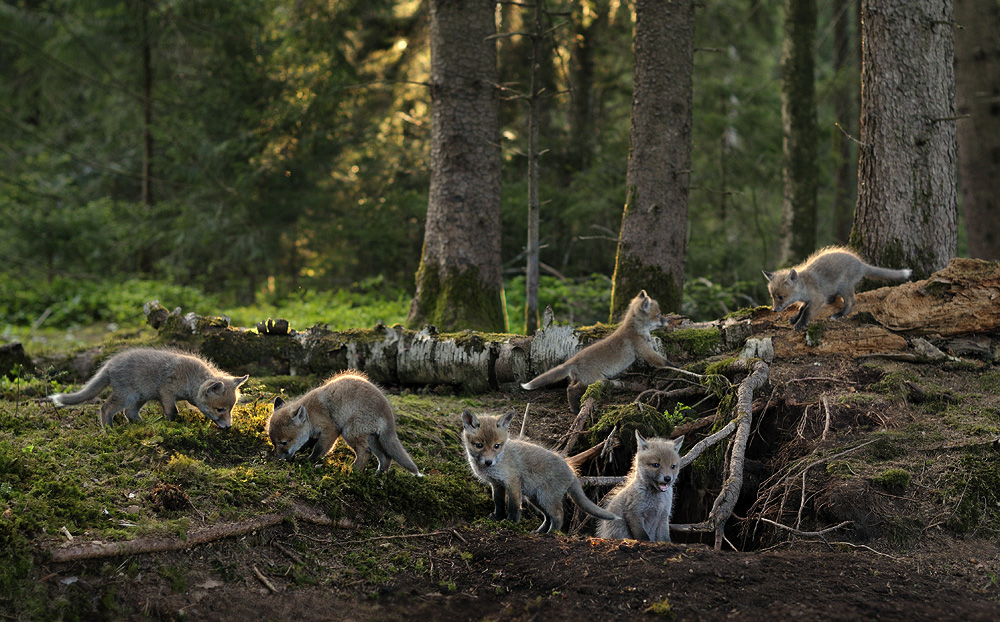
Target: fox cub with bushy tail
{"x": 516, "y": 468}
{"x": 142, "y": 374}
{"x": 826, "y": 274}
{"x": 612, "y": 355}
{"x": 645, "y": 500}
{"x": 346, "y": 405}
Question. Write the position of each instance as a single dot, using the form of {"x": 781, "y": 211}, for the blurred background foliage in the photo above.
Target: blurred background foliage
{"x": 289, "y": 157}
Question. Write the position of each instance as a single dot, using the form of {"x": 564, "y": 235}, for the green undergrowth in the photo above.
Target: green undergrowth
{"x": 61, "y": 473}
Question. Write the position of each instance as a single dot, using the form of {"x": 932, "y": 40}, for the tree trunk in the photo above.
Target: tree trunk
{"x": 585, "y": 29}
{"x": 534, "y": 117}
{"x": 977, "y": 94}
{"x": 653, "y": 239}
{"x": 907, "y": 212}
{"x": 798, "y": 120}
{"x": 459, "y": 282}
{"x": 846, "y": 116}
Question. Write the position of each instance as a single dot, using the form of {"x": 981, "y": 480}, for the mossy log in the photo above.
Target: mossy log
{"x": 954, "y": 310}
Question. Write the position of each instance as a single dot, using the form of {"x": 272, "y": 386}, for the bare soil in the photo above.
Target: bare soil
{"x": 485, "y": 571}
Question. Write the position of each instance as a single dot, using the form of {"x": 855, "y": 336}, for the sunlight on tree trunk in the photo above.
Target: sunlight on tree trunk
{"x": 459, "y": 281}
{"x": 534, "y": 103}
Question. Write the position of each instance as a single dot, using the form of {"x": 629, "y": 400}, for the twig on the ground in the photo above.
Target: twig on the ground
{"x": 264, "y": 580}
{"x": 288, "y": 553}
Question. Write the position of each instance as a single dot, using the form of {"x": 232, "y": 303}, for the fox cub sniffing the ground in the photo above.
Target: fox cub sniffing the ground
{"x": 826, "y": 274}
{"x": 645, "y": 499}
{"x": 142, "y": 374}
{"x": 612, "y": 355}
{"x": 516, "y": 468}
{"x": 346, "y": 405}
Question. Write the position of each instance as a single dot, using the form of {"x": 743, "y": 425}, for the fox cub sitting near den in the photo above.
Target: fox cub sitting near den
{"x": 516, "y": 468}
{"x": 645, "y": 500}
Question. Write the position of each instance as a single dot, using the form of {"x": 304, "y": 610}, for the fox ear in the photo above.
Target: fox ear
{"x": 470, "y": 420}
{"x": 768, "y": 275}
{"x": 640, "y": 442}
{"x": 678, "y": 442}
{"x": 504, "y": 422}
{"x": 792, "y": 274}
{"x": 278, "y": 402}
{"x": 300, "y": 416}
{"x": 240, "y": 381}
{"x": 216, "y": 388}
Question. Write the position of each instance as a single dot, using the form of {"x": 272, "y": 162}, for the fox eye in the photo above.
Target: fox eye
{"x": 673, "y": 467}
{"x": 497, "y": 446}
{"x": 220, "y": 410}
{"x": 282, "y": 443}
{"x": 478, "y": 445}
{"x": 655, "y": 465}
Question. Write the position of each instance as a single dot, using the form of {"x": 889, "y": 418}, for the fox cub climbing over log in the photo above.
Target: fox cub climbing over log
{"x": 612, "y": 355}
{"x": 346, "y": 405}
{"x": 826, "y": 274}
{"x": 516, "y": 468}
{"x": 645, "y": 500}
{"x": 142, "y": 374}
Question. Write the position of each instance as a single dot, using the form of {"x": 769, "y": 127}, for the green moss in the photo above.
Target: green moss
{"x": 457, "y": 300}
{"x": 662, "y": 608}
{"x": 595, "y": 390}
{"x": 629, "y": 418}
{"x": 886, "y": 447}
{"x": 814, "y": 333}
{"x": 975, "y": 488}
{"x": 633, "y": 275}
{"x": 698, "y": 342}
{"x": 893, "y": 479}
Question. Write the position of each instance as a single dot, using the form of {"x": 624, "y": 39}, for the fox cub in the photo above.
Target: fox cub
{"x": 612, "y": 355}
{"x": 645, "y": 499}
{"x": 828, "y": 273}
{"x": 142, "y": 374}
{"x": 346, "y": 405}
{"x": 514, "y": 468}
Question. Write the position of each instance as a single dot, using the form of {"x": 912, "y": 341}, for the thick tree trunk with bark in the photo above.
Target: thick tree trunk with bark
{"x": 653, "y": 239}
{"x": 977, "y": 94}
{"x": 907, "y": 213}
{"x": 798, "y": 120}
{"x": 459, "y": 284}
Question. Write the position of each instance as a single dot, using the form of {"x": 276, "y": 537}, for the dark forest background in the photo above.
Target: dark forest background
{"x": 256, "y": 153}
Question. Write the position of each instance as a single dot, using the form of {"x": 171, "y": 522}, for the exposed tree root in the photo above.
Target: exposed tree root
{"x": 724, "y": 504}
{"x": 201, "y": 535}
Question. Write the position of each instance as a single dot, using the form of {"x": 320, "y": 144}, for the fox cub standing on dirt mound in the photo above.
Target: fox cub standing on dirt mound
{"x": 645, "y": 499}
{"x": 612, "y": 355}
{"x": 514, "y": 468}
{"x": 143, "y": 374}
{"x": 346, "y": 405}
{"x": 826, "y": 274}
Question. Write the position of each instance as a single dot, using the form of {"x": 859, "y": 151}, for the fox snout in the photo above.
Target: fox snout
{"x": 486, "y": 462}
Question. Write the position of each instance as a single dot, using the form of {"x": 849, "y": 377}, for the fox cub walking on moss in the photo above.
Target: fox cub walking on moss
{"x": 514, "y": 468}
{"x": 346, "y": 405}
{"x": 612, "y": 355}
{"x": 645, "y": 500}
{"x": 826, "y": 274}
{"x": 142, "y": 374}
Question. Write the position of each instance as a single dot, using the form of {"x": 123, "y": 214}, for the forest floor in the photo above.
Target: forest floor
{"x": 926, "y": 549}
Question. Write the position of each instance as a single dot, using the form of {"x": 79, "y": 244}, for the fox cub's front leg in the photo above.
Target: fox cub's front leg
{"x": 499, "y": 502}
